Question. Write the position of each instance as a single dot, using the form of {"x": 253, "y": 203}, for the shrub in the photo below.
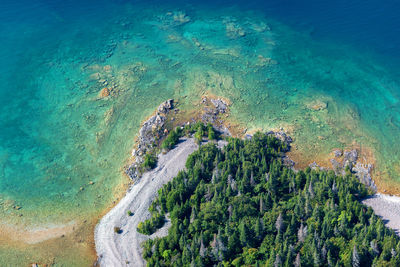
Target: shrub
{"x": 172, "y": 139}
{"x": 150, "y": 161}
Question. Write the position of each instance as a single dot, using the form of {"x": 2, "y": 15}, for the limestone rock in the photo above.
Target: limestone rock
{"x": 152, "y": 130}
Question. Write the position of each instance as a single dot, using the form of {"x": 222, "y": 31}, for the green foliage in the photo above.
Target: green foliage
{"x": 172, "y": 139}
{"x": 211, "y": 133}
{"x": 241, "y": 206}
{"x": 148, "y": 227}
{"x": 150, "y": 161}
{"x": 199, "y": 133}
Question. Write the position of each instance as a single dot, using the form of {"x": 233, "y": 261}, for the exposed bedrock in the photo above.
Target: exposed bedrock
{"x": 151, "y": 131}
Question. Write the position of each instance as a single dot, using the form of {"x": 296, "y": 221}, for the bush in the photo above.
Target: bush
{"x": 117, "y": 230}
{"x": 150, "y": 161}
{"x": 172, "y": 139}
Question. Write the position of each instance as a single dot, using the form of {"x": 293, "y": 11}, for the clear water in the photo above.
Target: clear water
{"x": 273, "y": 61}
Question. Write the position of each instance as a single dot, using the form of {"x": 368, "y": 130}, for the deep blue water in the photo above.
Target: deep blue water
{"x": 370, "y": 25}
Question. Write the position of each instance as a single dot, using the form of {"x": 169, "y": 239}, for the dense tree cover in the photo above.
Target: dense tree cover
{"x": 240, "y": 206}
{"x": 198, "y": 129}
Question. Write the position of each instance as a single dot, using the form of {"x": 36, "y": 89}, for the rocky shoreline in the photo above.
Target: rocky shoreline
{"x": 154, "y": 129}
{"x": 150, "y": 136}
{"x": 349, "y": 160}
{"x": 151, "y": 132}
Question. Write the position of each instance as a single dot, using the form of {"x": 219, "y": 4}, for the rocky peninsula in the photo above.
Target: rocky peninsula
{"x": 122, "y": 247}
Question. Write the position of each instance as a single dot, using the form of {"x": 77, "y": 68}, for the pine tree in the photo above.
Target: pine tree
{"x": 278, "y": 261}
{"x": 297, "y": 262}
{"x": 311, "y": 190}
{"x": 244, "y": 234}
{"x": 316, "y": 258}
{"x": 356, "y": 257}
{"x": 259, "y": 229}
{"x": 279, "y": 223}
{"x": 202, "y": 251}
{"x": 302, "y": 233}
{"x": 374, "y": 247}
{"x": 262, "y": 208}
{"x": 329, "y": 259}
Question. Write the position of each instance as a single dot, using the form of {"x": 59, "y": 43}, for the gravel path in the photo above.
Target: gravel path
{"x": 388, "y": 208}
{"x": 124, "y": 249}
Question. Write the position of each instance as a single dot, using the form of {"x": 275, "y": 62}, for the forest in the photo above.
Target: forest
{"x": 240, "y": 206}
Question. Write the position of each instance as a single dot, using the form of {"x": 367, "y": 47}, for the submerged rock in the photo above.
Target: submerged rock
{"x": 104, "y": 92}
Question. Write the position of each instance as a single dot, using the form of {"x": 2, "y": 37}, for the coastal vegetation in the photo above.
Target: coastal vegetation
{"x": 150, "y": 161}
{"x": 241, "y": 205}
{"x": 150, "y": 226}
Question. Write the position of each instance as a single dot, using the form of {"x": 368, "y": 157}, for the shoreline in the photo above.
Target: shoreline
{"x": 387, "y": 207}
{"x": 124, "y": 249}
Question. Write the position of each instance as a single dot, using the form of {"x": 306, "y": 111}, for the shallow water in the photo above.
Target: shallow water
{"x": 62, "y": 147}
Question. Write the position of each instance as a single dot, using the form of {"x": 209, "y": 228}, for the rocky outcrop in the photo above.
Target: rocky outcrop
{"x": 284, "y": 138}
{"x": 315, "y": 166}
{"x": 212, "y": 109}
{"x": 281, "y": 135}
{"x": 363, "y": 173}
{"x": 350, "y": 160}
{"x": 151, "y": 131}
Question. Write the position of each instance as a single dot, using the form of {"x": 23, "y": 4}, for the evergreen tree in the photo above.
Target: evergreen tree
{"x": 356, "y": 257}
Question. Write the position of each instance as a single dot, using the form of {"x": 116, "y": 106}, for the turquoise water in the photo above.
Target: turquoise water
{"x": 63, "y": 148}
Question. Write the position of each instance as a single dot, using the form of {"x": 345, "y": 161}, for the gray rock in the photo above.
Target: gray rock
{"x": 149, "y": 133}
{"x": 220, "y": 105}
{"x": 337, "y": 167}
{"x": 281, "y": 135}
{"x": 288, "y": 162}
{"x": 338, "y": 153}
{"x": 248, "y": 136}
{"x": 315, "y": 166}
{"x": 165, "y": 107}
{"x": 363, "y": 173}
{"x": 350, "y": 158}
